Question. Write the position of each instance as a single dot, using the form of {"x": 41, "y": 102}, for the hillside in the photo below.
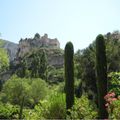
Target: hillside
{"x": 36, "y": 44}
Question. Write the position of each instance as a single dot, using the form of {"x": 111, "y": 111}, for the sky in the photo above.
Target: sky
{"x": 78, "y": 21}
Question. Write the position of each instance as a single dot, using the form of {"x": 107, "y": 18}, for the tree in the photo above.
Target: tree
{"x": 69, "y": 75}
{"x": 38, "y": 90}
{"x": 4, "y": 60}
{"x": 37, "y": 36}
{"x": 101, "y": 70}
{"x": 16, "y": 91}
{"x": 43, "y": 65}
{"x": 4, "y": 63}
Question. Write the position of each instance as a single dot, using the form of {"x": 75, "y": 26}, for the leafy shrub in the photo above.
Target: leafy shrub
{"x": 4, "y": 60}
{"x": 53, "y": 107}
{"x": 113, "y": 105}
{"x": 31, "y": 89}
{"x": 29, "y": 114}
{"x": 83, "y": 109}
{"x": 55, "y": 75}
{"x": 116, "y": 110}
{"x": 114, "y": 82}
{"x": 38, "y": 90}
{"x": 8, "y": 111}
{"x": 15, "y": 89}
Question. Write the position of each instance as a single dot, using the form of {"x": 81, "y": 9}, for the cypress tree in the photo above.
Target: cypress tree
{"x": 101, "y": 70}
{"x": 69, "y": 75}
{"x": 43, "y": 65}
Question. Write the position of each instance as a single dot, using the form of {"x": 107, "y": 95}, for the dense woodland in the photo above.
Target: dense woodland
{"x": 86, "y": 87}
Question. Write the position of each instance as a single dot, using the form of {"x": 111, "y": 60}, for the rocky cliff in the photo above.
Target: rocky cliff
{"x": 17, "y": 52}
{"x": 51, "y": 46}
{"x": 27, "y": 44}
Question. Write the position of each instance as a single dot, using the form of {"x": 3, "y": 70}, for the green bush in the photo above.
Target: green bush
{"x": 113, "y": 105}
{"x": 116, "y": 110}
{"x": 8, "y": 111}
{"x": 31, "y": 89}
{"x": 52, "y": 108}
{"x": 114, "y": 82}
{"x": 15, "y": 89}
{"x": 4, "y": 60}
{"x": 83, "y": 109}
{"x": 30, "y": 114}
{"x": 38, "y": 90}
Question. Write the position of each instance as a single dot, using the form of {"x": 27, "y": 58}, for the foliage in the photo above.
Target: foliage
{"x": 32, "y": 90}
{"x": 114, "y": 82}
{"x": 113, "y": 46}
{"x": 38, "y": 90}
{"x": 85, "y": 70}
{"x": 4, "y": 60}
{"x": 83, "y": 109}
{"x": 33, "y": 65}
{"x": 53, "y": 107}
{"x": 37, "y": 36}
{"x": 2, "y": 42}
{"x": 15, "y": 89}
{"x": 8, "y": 111}
{"x": 85, "y": 60}
{"x": 116, "y": 110}
{"x": 101, "y": 70}
{"x": 29, "y": 114}
{"x": 113, "y": 105}
{"x": 54, "y": 75}
{"x": 69, "y": 75}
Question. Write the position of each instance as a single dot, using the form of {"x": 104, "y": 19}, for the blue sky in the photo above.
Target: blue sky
{"x": 79, "y": 21}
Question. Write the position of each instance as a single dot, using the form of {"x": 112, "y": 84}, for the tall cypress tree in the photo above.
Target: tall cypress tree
{"x": 69, "y": 75}
{"x": 43, "y": 65}
{"x": 101, "y": 70}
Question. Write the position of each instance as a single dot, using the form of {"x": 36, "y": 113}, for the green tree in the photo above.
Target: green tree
{"x": 86, "y": 62}
{"x": 4, "y": 60}
{"x": 15, "y": 89}
{"x": 17, "y": 92}
{"x": 43, "y": 65}
{"x": 38, "y": 90}
{"x": 4, "y": 63}
{"x": 101, "y": 70}
{"x": 69, "y": 75}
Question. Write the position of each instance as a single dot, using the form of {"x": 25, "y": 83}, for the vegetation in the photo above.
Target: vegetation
{"x": 101, "y": 70}
{"x": 69, "y": 75}
{"x": 37, "y": 90}
{"x": 83, "y": 109}
{"x": 4, "y": 60}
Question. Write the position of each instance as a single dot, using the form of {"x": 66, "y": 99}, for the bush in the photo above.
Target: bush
{"x": 30, "y": 114}
{"x": 15, "y": 89}
{"x": 31, "y": 89}
{"x": 52, "y": 108}
{"x": 114, "y": 82}
{"x": 113, "y": 105}
{"x": 83, "y": 109}
{"x": 116, "y": 111}
{"x": 8, "y": 111}
{"x": 38, "y": 90}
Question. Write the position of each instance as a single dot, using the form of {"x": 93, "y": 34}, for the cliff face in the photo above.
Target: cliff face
{"x": 17, "y": 52}
{"x": 25, "y": 45}
{"x": 51, "y": 46}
